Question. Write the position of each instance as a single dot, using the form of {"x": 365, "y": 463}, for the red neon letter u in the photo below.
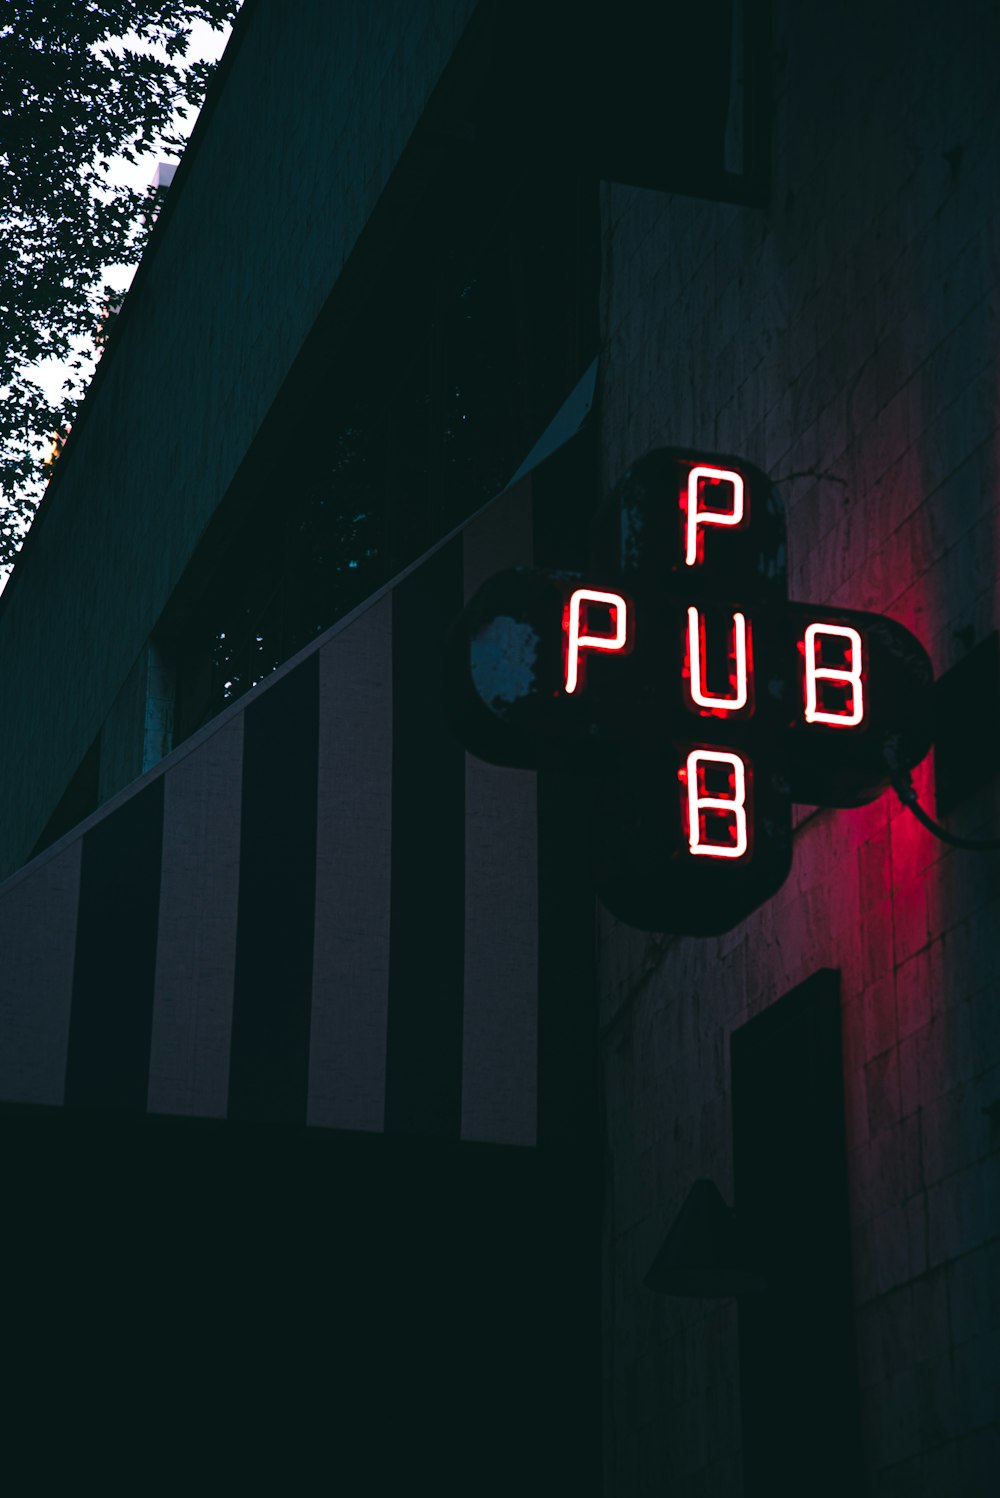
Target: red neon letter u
{"x": 741, "y": 688}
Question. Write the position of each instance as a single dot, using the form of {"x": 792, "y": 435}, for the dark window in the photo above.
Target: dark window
{"x": 478, "y": 324}
{"x": 305, "y": 554}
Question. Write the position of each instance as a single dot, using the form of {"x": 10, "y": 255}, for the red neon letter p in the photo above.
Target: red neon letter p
{"x": 696, "y": 515}
{"x": 577, "y": 641}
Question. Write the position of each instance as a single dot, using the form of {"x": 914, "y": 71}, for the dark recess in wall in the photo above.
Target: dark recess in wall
{"x": 798, "y": 1359}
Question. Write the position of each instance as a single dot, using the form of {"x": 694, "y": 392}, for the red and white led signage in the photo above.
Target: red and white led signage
{"x": 832, "y": 680}
{"x": 703, "y": 701}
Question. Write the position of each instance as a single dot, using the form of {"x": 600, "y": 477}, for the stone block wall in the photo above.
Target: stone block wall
{"x": 843, "y": 338}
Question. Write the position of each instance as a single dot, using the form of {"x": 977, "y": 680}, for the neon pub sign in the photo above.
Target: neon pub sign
{"x": 700, "y": 699}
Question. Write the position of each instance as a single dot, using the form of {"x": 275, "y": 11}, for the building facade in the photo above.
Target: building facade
{"x": 310, "y": 1017}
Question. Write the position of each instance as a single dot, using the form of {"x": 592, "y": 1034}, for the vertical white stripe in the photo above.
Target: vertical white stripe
{"x": 37, "y": 948}
{"x": 347, "y": 1048}
{"x": 500, "y": 1029}
{"x": 196, "y": 946}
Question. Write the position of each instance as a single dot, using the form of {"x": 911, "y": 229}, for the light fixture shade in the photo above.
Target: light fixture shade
{"x": 705, "y": 1253}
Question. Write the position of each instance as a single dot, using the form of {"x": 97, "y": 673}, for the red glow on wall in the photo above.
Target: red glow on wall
{"x": 847, "y": 708}
{"x": 705, "y": 480}
{"x": 717, "y": 823}
{"x": 576, "y": 642}
{"x": 709, "y": 704}
{"x": 779, "y": 702}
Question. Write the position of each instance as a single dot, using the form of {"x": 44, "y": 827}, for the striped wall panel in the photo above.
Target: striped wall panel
{"x": 320, "y": 911}
{"x": 500, "y": 1034}
{"x": 350, "y": 996}
{"x": 424, "y": 1043}
{"x": 196, "y": 938}
{"x": 114, "y": 967}
{"x": 38, "y": 942}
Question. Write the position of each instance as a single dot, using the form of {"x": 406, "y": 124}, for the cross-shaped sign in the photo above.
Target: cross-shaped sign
{"x": 703, "y": 701}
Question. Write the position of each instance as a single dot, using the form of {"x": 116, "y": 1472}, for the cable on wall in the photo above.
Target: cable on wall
{"x": 903, "y": 786}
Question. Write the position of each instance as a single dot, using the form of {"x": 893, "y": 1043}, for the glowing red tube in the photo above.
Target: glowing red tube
{"x": 578, "y": 642}
{"x": 741, "y": 686}
{"x": 734, "y": 805}
{"x": 850, "y": 677}
{"x": 697, "y": 517}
